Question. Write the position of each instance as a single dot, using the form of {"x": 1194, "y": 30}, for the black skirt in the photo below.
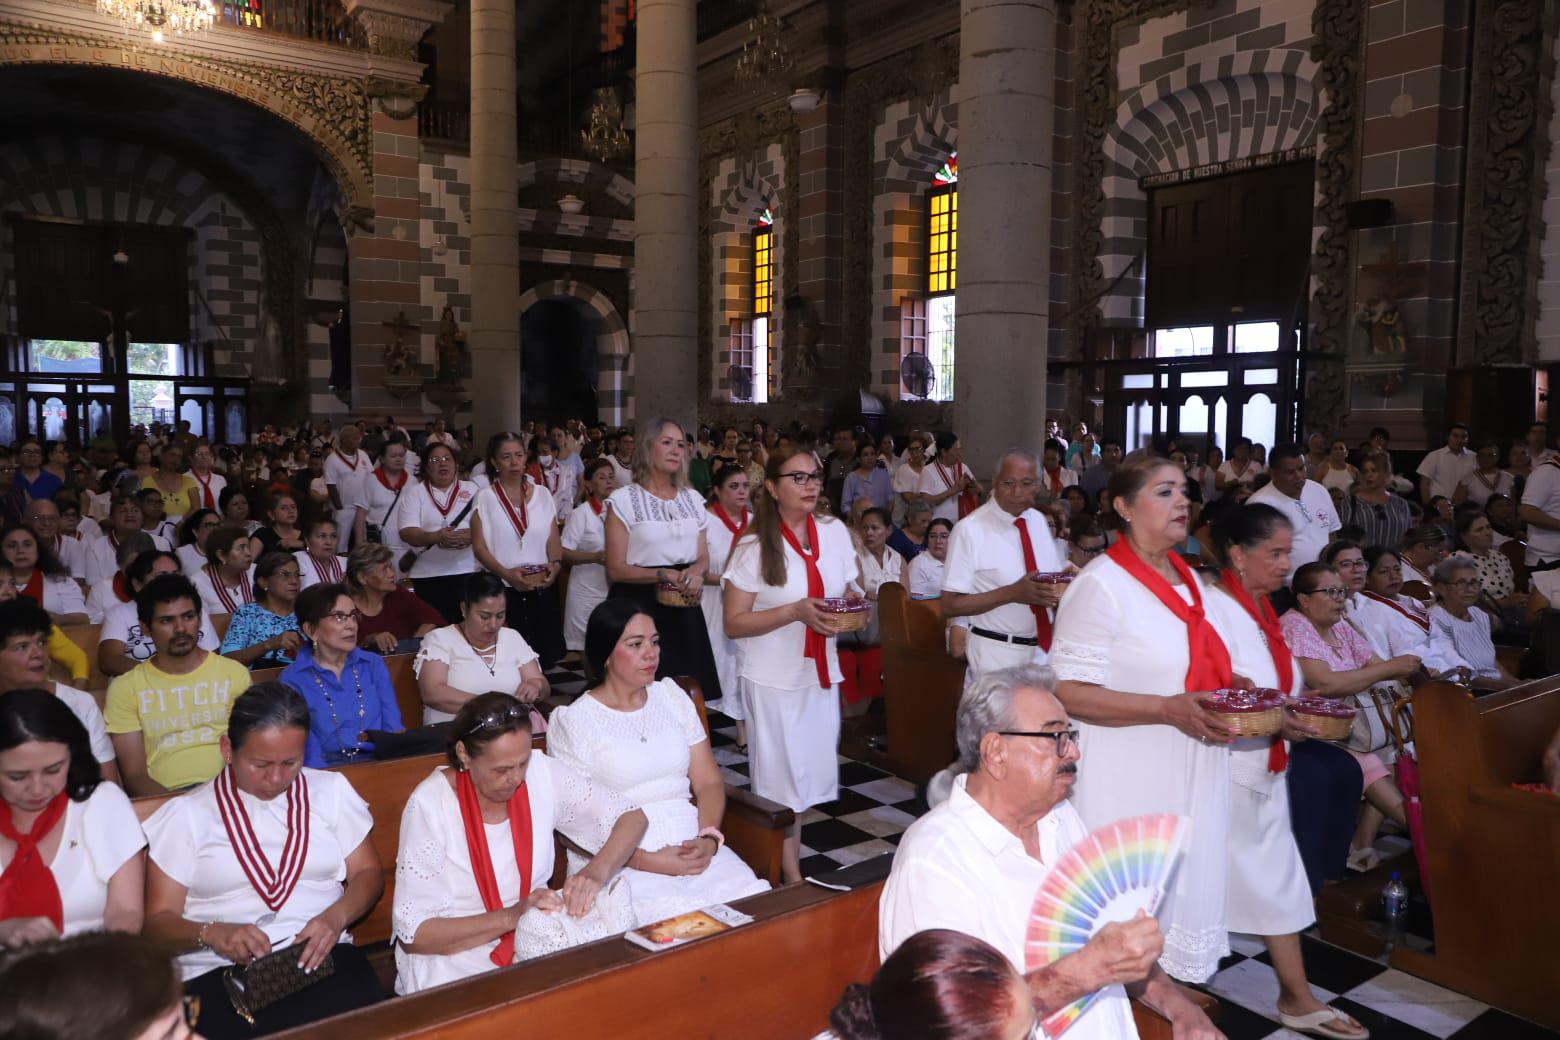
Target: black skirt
{"x": 443, "y": 594}
{"x": 685, "y": 642}
{"x": 538, "y": 617}
{"x": 352, "y": 985}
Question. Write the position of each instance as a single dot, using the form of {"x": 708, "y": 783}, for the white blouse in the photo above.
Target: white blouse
{"x": 498, "y": 531}
{"x": 875, "y": 574}
{"x": 719, "y": 539}
{"x": 468, "y": 672}
{"x": 559, "y": 482}
{"x": 1390, "y": 635}
{"x": 191, "y": 560}
{"x": 433, "y": 875}
{"x": 311, "y": 572}
{"x": 85, "y": 707}
{"x": 377, "y": 505}
{"x": 61, "y": 595}
{"x": 660, "y": 533}
{"x": 101, "y": 835}
{"x": 124, "y": 624}
{"x": 211, "y": 601}
{"x": 775, "y": 659}
{"x": 924, "y": 576}
{"x": 1471, "y": 638}
{"x": 189, "y": 843}
{"x": 428, "y": 509}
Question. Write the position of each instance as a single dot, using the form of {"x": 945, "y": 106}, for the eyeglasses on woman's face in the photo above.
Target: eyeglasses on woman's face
{"x": 342, "y": 617}
{"x": 1330, "y": 591}
{"x": 802, "y": 478}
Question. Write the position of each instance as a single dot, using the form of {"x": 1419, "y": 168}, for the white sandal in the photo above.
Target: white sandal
{"x": 1320, "y": 1023}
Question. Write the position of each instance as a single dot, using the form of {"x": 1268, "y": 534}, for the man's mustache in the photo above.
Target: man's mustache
{"x": 1070, "y": 769}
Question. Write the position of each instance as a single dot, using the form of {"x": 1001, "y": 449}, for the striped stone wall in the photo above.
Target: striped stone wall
{"x": 739, "y": 192}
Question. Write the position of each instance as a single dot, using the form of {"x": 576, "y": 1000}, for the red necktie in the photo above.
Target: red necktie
{"x": 816, "y": 645}
{"x": 1042, "y": 617}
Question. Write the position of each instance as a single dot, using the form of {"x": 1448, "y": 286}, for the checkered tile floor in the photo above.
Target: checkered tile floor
{"x": 875, "y": 807}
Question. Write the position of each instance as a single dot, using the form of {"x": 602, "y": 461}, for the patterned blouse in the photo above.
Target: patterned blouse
{"x": 1495, "y": 573}
{"x": 251, "y": 624}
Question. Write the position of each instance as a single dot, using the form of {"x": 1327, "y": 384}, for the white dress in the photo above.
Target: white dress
{"x": 1268, "y": 891}
{"x": 644, "y": 756}
{"x": 924, "y": 577}
{"x": 101, "y": 835}
{"x": 583, "y": 532}
{"x": 1111, "y": 631}
{"x": 467, "y": 671}
{"x": 189, "y": 843}
{"x": 793, "y": 721}
{"x": 433, "y": 875}
{"x": 720, "y": 538}
{"x": 504, "y": 544}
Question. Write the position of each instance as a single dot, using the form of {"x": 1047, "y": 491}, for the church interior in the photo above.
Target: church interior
{"x": 296, "y": 295}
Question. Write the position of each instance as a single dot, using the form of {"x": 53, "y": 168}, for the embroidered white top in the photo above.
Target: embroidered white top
{"x": 660, "y": 533}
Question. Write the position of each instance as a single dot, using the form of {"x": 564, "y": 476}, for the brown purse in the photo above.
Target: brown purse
{"x": 255, "y": 986}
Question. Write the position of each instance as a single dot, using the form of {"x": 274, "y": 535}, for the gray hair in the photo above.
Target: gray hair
{"x": 1016, "y": 452}
{"x": 915, "y": 506}
{"x": 1450, "y": 566}
{"x": 987, "y": 707}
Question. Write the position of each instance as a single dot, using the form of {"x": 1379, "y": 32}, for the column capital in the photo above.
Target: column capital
{"x": 394, "y": 27}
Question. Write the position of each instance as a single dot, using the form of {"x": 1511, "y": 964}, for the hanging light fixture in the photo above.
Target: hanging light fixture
{"x": 162, "y": 18}
{"x": 765, "y": 54}
{"x": 605, "y": 137}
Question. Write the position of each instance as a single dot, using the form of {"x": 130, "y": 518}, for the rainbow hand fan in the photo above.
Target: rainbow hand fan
{"x": 1107, "y": 877}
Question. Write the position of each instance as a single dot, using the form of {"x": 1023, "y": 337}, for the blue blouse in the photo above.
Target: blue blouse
{"x": 252, "y": 624}
{"x": 878, "y": 486}
{"x": 340, "y": 710}
{"x": 901, "y": 543}
{"x": 44, "y": 487}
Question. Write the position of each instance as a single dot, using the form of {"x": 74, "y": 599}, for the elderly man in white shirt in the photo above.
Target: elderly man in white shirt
{"x": 993, "y": 555}
{"x": 975, "y": 862}
{"x": 1305, "y": 502}
{"x": 1444, "y": 468}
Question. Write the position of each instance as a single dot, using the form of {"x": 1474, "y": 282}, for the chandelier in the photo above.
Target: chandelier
{"x": 765, "y": 54}
{"x": 606, "y": 138}
{"x": 162, "y": 17}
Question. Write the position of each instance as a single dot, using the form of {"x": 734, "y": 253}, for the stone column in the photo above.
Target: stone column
{"x": 666, "y": 218}
{"x": 495, "y": 221}
{"x": 1007, "y": 62}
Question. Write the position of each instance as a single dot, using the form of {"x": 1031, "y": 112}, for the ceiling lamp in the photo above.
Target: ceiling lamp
{"x": 765, "y": 54}
{"x": 162, "y": 17}
{"x": 606, "y": 137}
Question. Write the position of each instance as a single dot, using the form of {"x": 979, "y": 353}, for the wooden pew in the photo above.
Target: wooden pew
{"x": 775, "y": 979}
{"x": 921, "y": 683}
{"x": 1515, "y": 551}
{"x": 402, "y": 679}
{"x": 1493, "y": 852}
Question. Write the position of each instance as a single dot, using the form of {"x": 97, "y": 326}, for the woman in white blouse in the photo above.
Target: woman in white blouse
{"x": 193, "y": 532}
{"x": 318, "y": 563}
{"x": 24, "y": 665}
{"x": 924, "y": 574}
{"x": 514, "y": 535}
{"x": 266, "y": 856}
{"x": 776, "y": 577}
{"x": 730, "y": 518}
{"x": 384, "y": 489}
{"x": 642, "y": 737}
{"x": 585, "y": 551}
{"x": 435, "y": 520}
{"x": 226, "y": 582}
{"x": 40, "y": 577}
{"x": 1455, "y": 618}
{"x": 70, "y": 845}
{"x": 907, "y": 477}
{"x": 479, "y": 655}
{"x": 656, "y": 535}
{"x": 477, "y": 849}
{"x": 861, "y": 654}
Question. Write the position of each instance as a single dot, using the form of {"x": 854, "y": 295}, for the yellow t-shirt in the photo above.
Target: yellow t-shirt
{"x": 178, "y": 504}
{"x": 180, "y": 717}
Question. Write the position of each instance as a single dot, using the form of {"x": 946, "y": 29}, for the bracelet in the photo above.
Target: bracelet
{"x": 200, "y": 937}
{"x": 711, "y": 832}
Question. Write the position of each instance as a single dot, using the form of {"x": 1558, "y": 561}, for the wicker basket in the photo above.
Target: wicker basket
{"x": 842, "y": 615}
{"x": 1330, "y": 719}
{"x": 672, "y": 596}
{"x": 1248, "y": 713}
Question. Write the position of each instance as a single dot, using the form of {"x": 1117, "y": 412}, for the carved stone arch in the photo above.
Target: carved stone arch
{"x": 746, "y": 199}
{"x": 933, "y": 139}
{"x": 590, "y": 175}
{"x": 613, "y": 358}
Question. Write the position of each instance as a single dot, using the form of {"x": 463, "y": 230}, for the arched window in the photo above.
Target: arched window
{"x": 754, "y": 342}
{"x": 927, "y": 324}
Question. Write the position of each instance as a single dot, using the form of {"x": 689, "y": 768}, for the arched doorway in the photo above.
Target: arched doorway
{"x": 558, "y": 362}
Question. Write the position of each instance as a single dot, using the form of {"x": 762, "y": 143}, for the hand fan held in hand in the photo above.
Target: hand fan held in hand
{"x": 1107, "y": 877}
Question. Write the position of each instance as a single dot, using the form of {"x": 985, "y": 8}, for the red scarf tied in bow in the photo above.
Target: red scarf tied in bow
{"x": 482, "y": 861}
{"x": 816, "y": 646}
{"x": 1261, "y": 612}
{"x": 27, "y": 887}
{"x": 1210, "y": 667}
{"x": 1042, "y": 615}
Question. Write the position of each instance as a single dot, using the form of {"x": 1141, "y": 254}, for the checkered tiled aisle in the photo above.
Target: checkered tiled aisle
{"x": 875, "y": 807}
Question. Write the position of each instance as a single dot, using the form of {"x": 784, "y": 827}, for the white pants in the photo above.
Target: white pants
{"x": 793, "y": 743}
{"x": 990, "y": 655}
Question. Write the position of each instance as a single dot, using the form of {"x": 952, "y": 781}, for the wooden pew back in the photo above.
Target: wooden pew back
{"x": 402, "y": 678}
{"x": 922, "y": 683}
{"x": 1515, "y": 551}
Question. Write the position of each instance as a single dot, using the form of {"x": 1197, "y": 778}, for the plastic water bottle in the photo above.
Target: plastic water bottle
{"x": 1394, "y": 901}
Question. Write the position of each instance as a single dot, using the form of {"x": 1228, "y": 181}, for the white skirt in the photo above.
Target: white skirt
{"x": 1268, "y": 893}
{"x": 587, "y": 590}
{"x": 793, "y": 743}
{"x": 1132, "y": 770}
{"x": 725, "y": 651}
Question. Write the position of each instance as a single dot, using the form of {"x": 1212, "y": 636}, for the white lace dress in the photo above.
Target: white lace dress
{"x": 644, "y": 756}
{"x": 433, "y": 875}
{"x": 1111, "y": 631}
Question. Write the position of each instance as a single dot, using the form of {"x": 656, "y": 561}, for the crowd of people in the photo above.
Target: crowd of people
{"x": 1097, "y": 598}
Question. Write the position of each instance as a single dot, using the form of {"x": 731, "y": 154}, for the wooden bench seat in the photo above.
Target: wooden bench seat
{"x": 922, "y": 683}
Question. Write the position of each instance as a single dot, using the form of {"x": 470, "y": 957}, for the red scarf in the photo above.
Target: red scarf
{"x": 516, "y": 519}
{"x": 1056, "y": 480}
{"x": 1042, "y": 615}
{"x": 122, "y": 587}
{"x": 245, "y": 593}
{"x": 33, "y": 590}
{"x": 207, "y": 498}
{"x": 482, "y": 861}
{"x": 597, "y": 507}
{"x": 1283, "y": 660}
{"x": 27, "y": 887}
{"x": 1209, "y": 667}
{"x": 1414, "y": 616}
{"x": 379, "y": 474}
{"x": 274, "y": 885}
{"x": 969, "y": 501}
{"x": 735, "y": 529}
{"x": 816, "y": 645}
{"x": 541, "y": 475}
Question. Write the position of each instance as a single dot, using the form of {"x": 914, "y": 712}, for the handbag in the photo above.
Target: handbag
{"x": 540, "y": 933}
{"x": 1372, "y": 726}
{"x": 432, "y": 739}
{"x": 255, "y": 986}
{"x": 376, "y": 532}
{"x": 409, "y": 558}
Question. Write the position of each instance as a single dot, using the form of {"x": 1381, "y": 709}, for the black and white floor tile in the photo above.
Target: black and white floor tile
{"x": 874, "y": 808}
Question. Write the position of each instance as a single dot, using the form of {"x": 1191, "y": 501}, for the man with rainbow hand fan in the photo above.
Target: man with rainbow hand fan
{"x": 975, "y": 863}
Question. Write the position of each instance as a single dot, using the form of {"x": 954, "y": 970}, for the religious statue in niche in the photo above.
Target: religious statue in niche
{"x": 1381, "y": 327}
{"x": 451, "y": 345}
{"x": 398, "y": 354}
{"x": 269, "y": 365}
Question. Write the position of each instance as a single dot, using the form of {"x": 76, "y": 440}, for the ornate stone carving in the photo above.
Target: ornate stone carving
{"x": 395, "y": 97}
{"x": 331, "y": 111}
{"x": 1508, "y": 118}
{"x": 393, "y": 27}
{"x": 357, "y": 218}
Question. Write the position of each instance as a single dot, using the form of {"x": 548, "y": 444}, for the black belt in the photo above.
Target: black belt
{"x": 1003, "y": 637}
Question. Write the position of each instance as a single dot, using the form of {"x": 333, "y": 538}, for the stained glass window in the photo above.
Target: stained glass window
{"x": 942, "y": 240}
{"x": 948, "y": 172}
{"x": 246, "y": 14}
{"x": 763, "y": 270}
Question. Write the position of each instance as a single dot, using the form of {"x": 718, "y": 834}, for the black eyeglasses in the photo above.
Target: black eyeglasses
{"x": 1066, "y": 739}
{"x": 803, "y": 479}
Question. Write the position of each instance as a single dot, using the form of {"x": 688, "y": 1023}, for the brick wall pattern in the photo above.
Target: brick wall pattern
{"x": 739, "y": 192}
